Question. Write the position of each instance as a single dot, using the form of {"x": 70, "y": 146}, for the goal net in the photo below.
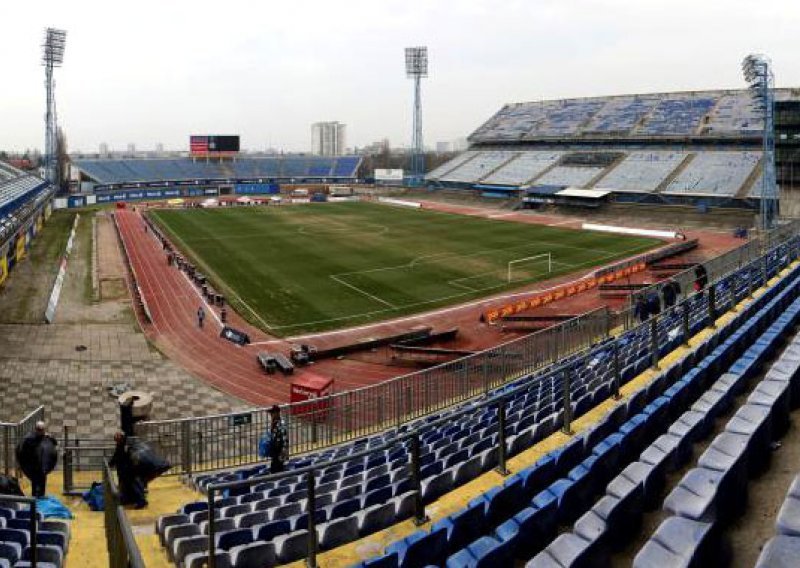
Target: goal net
{"x": 529, "y": 267}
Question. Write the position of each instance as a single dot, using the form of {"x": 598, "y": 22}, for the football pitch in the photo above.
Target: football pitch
{"x": 297, "y": 269}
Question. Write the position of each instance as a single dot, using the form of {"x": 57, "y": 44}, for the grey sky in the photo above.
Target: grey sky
{"x": 156, "y": 71}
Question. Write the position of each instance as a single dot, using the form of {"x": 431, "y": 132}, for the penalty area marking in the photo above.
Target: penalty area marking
{"x": 477, "y": 302}
{"x": 360, "y": 291}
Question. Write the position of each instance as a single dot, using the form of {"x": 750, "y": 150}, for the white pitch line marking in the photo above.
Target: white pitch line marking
{"x": 360, "y": 291}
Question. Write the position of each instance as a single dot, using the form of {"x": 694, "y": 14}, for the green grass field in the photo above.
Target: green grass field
{"x": 298, "y": 269}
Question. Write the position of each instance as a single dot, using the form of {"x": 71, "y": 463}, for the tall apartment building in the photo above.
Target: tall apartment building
{"x": 328, "y": 138}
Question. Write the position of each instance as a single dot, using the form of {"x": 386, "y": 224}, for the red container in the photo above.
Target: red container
{"x": 313, "y": 390}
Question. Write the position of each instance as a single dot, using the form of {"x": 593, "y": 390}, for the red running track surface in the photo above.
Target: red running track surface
{"x": 173, "y": 301}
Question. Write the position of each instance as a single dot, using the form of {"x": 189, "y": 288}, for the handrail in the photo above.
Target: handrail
{"x": 123, "y": 552}
{"x": 10, "y": 435}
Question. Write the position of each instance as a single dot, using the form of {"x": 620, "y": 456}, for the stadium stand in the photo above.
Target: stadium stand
{"x": 17, "y": 189}
{"x": 715, "y": 173}
{"x": 688, "y": 148}
{"x": 569, "y": 176}
{"x": 621, "y": 114}
{"x": 372, "y": 490}
{"x": 523, "y": 168}
{"x": 654, "y": 115}
{"x": 658, "y": 424}
{"x": 450, "y": 165}
{"x": 115, "y": 171}
{"x": 52, "y": 538}
{"x": 478, "y": 167}
{"x": 679, "y": 115}
{"x": 642, "y": 171}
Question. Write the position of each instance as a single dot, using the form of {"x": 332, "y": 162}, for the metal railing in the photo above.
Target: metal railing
{"x": 82, "y": 455}
{"x": 214, "y": 442}
{"x": 197, "y": 444}
{"x": 33, "y": 525}
{"x": 10, "y": 435}
{"x": 678, "y": 318}
{"x": 727, "y": 262}
{"x": 123, "y": 552}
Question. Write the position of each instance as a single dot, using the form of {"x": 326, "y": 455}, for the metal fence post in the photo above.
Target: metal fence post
{"x": 567, "y": 410}
{"x": 311, "y": 509}
{"x": 212, "y": 548}
{"x": 420, "y": 517}
{"x": 765, "y": 268}
{"x": 6, "y": 449}
{"x": 654, "y": 342}
{"x": 687, "y": 328}
{"x": 34, "y": 536}
{"x": 186, "y": 439}
{"x": 712, "y": 307}
{"x": 615, "y": 384}
{"x": 485, "y": 374}
{"x": 501, "y": 438}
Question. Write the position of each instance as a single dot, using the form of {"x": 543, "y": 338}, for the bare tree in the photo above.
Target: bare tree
{"x": 62, "y": 160}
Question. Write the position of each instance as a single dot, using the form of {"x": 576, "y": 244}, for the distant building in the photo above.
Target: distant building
{"x": 443, "y": 147}
{"x": 159, "y": 148}
{"x": 103, "y": 150}
{"x": 460, "y": 144}
{"x": 328, "y": 138}
{"x": 131, "y": 148}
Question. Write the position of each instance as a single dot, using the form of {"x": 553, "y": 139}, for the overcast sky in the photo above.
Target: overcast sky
{"x": 153, "y": 71}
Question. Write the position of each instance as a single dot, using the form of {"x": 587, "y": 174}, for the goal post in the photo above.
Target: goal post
{"x": 548, "y": 257}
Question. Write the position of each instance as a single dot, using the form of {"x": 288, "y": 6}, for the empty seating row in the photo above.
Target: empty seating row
{"x": 451, "y": 454}
{"x": 558, "y": 504}
{"x": 714, "y": 493}
{"x": 15, "y": 538}
{"x": 116, "y": 171}
{"x": 708, "y": 113}
{"x": 639, "y": 485}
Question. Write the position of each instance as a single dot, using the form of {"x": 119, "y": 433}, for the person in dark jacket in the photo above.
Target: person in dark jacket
{"x": 279, "y": 441}
{"x": 640, "y": 309}
{"x": 131, "y": 487}
{"x": 670, "y": 294}
{"x": 36, "y": 455}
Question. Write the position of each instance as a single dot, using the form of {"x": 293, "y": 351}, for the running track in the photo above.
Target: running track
{"x": 173, "y": 301}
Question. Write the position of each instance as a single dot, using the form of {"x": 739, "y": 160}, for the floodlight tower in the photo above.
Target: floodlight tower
{"x": 52, "y": 57}
{"x": 757, "y": 71}
{"x": 416, "y": 69}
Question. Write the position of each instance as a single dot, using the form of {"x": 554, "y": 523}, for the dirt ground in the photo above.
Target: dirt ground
{"x": 78, "y": 303}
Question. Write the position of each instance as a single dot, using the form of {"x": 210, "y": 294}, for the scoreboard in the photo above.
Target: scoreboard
{"x": 213, "y": 145}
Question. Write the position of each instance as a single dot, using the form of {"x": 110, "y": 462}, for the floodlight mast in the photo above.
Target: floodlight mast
{"x": 52, "y": 57}
{"x": 757, "y": 70}
{"x": 416, "y": 69}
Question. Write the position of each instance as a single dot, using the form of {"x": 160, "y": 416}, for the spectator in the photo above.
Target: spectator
{"x": 279, "y": 441}
{"x": 653, "y": 304}
{"x": 201, "y": 315}
{"x": 36, "y": 455}
{"x": 670, "y": 294}
{"x": 131, "y": 487}
{"x": 640, "y": 309}
{"x": 701, "y": 278}
{"x": 223, "y": 315}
